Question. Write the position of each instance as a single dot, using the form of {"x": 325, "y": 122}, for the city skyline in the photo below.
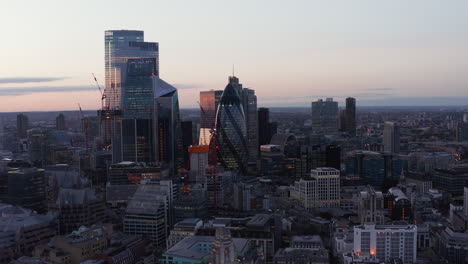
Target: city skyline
{"x": 396, "y": 53}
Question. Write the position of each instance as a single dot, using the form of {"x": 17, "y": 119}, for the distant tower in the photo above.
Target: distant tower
{"x": 350, "y": 116}
{"x": 391, "y": 138}
{"x": 249, "y": 102}
{"x": 60, "y": 122}
{"x": 223, "y": 247}
{"x": 264, "y": 130}
{"x": 325, "y": 116}
{"x": 22, "y": 125}
{"x": 209, "y": 102}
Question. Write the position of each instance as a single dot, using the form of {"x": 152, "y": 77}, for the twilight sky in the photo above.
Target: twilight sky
{"x": 395, "y": 52}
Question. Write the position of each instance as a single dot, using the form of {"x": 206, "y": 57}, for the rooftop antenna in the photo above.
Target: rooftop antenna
{"x": 233, "y": 70}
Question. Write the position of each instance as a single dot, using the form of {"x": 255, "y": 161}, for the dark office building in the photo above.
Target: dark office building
{"x": 333, "y": 156}
{"x": 187, "y": 140}
{"x": 264, "y": 127}
{"x": 22, "y": 125}
{"x": 60, "y": 122}
{"x": 451, "y": 180}
{"x": 137, "y": 126}
{"x": 26, "y": 187}
{"x": 190, "y": 206}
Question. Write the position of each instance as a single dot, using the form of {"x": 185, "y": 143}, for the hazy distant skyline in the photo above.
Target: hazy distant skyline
{"x": 291, "y": 52}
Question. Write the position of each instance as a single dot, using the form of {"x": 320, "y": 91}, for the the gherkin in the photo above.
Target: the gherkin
{"x": 231, "y": 131}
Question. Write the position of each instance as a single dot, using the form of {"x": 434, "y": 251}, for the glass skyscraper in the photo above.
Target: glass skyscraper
{"x": 325, "y": 116}
{"x": 231, "y": 130}
{"x": 209, "y": 101}
{"x": 120, "y": 46}
{"x": 168, "y": 143}
{"x": 136, "y": 126}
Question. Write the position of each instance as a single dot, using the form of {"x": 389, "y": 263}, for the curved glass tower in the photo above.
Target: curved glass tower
{"x": 231, "y": 131}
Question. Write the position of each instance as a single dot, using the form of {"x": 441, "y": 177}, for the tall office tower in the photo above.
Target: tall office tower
{"x": 187, "y": 141}
{"x": 22, "y": 125}
{"x": 383, "y": 243}
{"x": 264, "y": 128}
{"x": 371, "y": 207}
{"x": 137, "y": 128}
{"x": 321, "y": 191}
{"x": 231, "y": 129}
{"x": 121, "y": 45}
{"x": 60, "y": 122}
{"x": 198, "y": 164}
{"x": 391, "y": 137}
{"x": 249, "y": 102}
{"x": 325, "y": 116}
{"x": 168, "y": 141}
{"x": 209, "y": 101}
{"x": 350, "y": 116}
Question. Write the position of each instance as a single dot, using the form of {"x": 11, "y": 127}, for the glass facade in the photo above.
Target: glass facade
{"x": 121, "y": 45}
{"x": 137, "y": 126}
{"x": 209, "y": 101}
{"x": 325, "y": 116}
{"x": 231, "y": 131}
{"x": 168, "y": 131}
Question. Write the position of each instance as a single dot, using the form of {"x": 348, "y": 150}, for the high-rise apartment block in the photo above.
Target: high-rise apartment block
{"x": 325, "y": 116}
{"x": 321, "y": 190}
{"x": 120, "y": 46}
{"x": 391, "y": 137}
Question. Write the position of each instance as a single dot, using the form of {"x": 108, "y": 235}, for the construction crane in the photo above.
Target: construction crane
{"x": 212, "y": 154}
{"x": 86, "y": 125}
{"x": 103, "y": 95}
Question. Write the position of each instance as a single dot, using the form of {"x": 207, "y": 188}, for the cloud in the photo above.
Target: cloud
{"x": 16, "y": 91}
{"x": 30, "y": 79}
{"x": 380, "y": 89}
{"x": 186, "y": 86}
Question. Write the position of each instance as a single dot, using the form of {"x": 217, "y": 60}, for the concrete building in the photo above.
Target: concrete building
{"x": 322, "y": 190}
{"x": 383, "y": 243}
{"x": 81, "y": 244}
{"x": 452, "y": 246}
{"x": 221, "y": 248}
{"x": 371, "y": 207}
{"x": 199, "y": 164}
{"x": 147, "y": 214}
{"x": 21, "y": 230}
{"x": 303, "y": 249}
{"x": 185, "y": 228}
{"x": 77, "y": 207}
